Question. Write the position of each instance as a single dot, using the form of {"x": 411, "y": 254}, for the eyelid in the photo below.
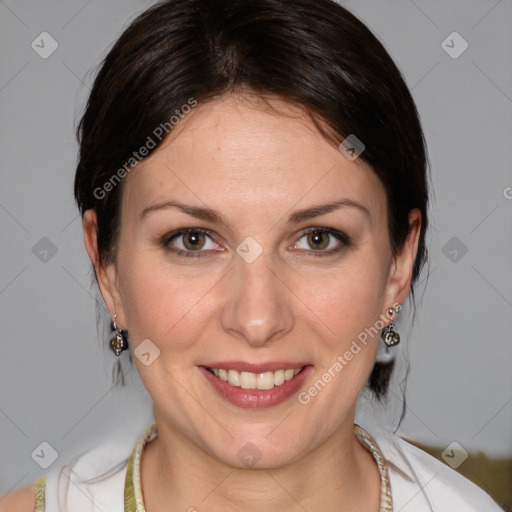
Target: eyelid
{"x": 168, "y": 238}
{"x": 343, "y": 239}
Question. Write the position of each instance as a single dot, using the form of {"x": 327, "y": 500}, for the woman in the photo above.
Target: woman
{"x": 252, "y": 183}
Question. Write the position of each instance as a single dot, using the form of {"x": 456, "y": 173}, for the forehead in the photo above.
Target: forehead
{"x": 237, "y": 151}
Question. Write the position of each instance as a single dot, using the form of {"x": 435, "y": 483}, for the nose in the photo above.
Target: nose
{"x": 258, "y": 308}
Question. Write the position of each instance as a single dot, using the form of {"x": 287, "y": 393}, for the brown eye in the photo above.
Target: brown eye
{"x": 318, "y": 240}
{"x": 194, "y": 240}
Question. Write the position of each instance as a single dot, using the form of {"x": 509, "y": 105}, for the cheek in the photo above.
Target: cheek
{"x": 166, "y": 305}
{"x": 347, "y": 300}
{"x": 348, "y": 303}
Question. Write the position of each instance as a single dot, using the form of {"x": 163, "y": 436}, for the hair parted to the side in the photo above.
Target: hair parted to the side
{"x": 312, "y": 53}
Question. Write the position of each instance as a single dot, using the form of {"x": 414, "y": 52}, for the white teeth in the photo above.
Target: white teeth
{"x": 279, "y": 377}
{"x": 234, "y": 377}
{"x": 248, "y": 380}
{"x": 265, "y": 380}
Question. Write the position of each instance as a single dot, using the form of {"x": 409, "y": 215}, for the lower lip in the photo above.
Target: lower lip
{"x": 257, "y": 398}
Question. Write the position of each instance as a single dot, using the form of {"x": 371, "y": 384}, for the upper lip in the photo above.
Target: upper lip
{"x": 243, "y": 366}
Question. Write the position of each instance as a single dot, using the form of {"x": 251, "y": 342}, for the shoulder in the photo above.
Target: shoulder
{"x": 420, "y": 482}
{"x": 21, "y": 500}
{"x": 95, "y": 475}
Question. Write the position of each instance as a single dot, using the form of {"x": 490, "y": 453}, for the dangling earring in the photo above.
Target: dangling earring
{"x": 120, "y": 341}
{"x": 389, "y": 335}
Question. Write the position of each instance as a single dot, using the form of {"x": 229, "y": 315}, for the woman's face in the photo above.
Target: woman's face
{"x": 286, "y": 262}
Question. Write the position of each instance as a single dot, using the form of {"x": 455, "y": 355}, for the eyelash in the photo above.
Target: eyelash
{"x": 340, "y": 236}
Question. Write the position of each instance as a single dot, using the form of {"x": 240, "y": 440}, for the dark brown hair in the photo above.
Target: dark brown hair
{"x": 312, "y": 53}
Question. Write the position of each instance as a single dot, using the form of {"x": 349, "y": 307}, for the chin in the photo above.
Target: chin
{"x": 258, "y": 451}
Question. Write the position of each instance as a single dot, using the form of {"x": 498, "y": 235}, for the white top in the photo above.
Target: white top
{"x": 107, "y": 478}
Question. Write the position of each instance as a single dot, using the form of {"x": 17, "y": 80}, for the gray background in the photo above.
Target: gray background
{"x": 55, "y": 382}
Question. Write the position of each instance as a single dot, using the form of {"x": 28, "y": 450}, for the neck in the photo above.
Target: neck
{"x": 338, "y": 475}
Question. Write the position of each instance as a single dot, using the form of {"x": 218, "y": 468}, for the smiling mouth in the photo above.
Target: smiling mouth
{"x": 248, "y": 380}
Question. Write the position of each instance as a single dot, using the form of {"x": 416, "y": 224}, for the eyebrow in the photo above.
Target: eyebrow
{"x": 316, "y": 211}
{"x": 210, "y": 215}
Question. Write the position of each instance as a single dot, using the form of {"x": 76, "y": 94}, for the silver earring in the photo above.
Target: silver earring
{"x": 120, "y": 341}
{"x": 389, "y": 335}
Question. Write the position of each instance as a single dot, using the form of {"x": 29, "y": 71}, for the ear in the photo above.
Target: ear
{"x": 106, "y": 276}
{"x": 400, "y": 273}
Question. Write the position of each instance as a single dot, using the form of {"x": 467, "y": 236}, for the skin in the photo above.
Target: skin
{"x": 20, "y": 500}
{"x": 254, "y": 166}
